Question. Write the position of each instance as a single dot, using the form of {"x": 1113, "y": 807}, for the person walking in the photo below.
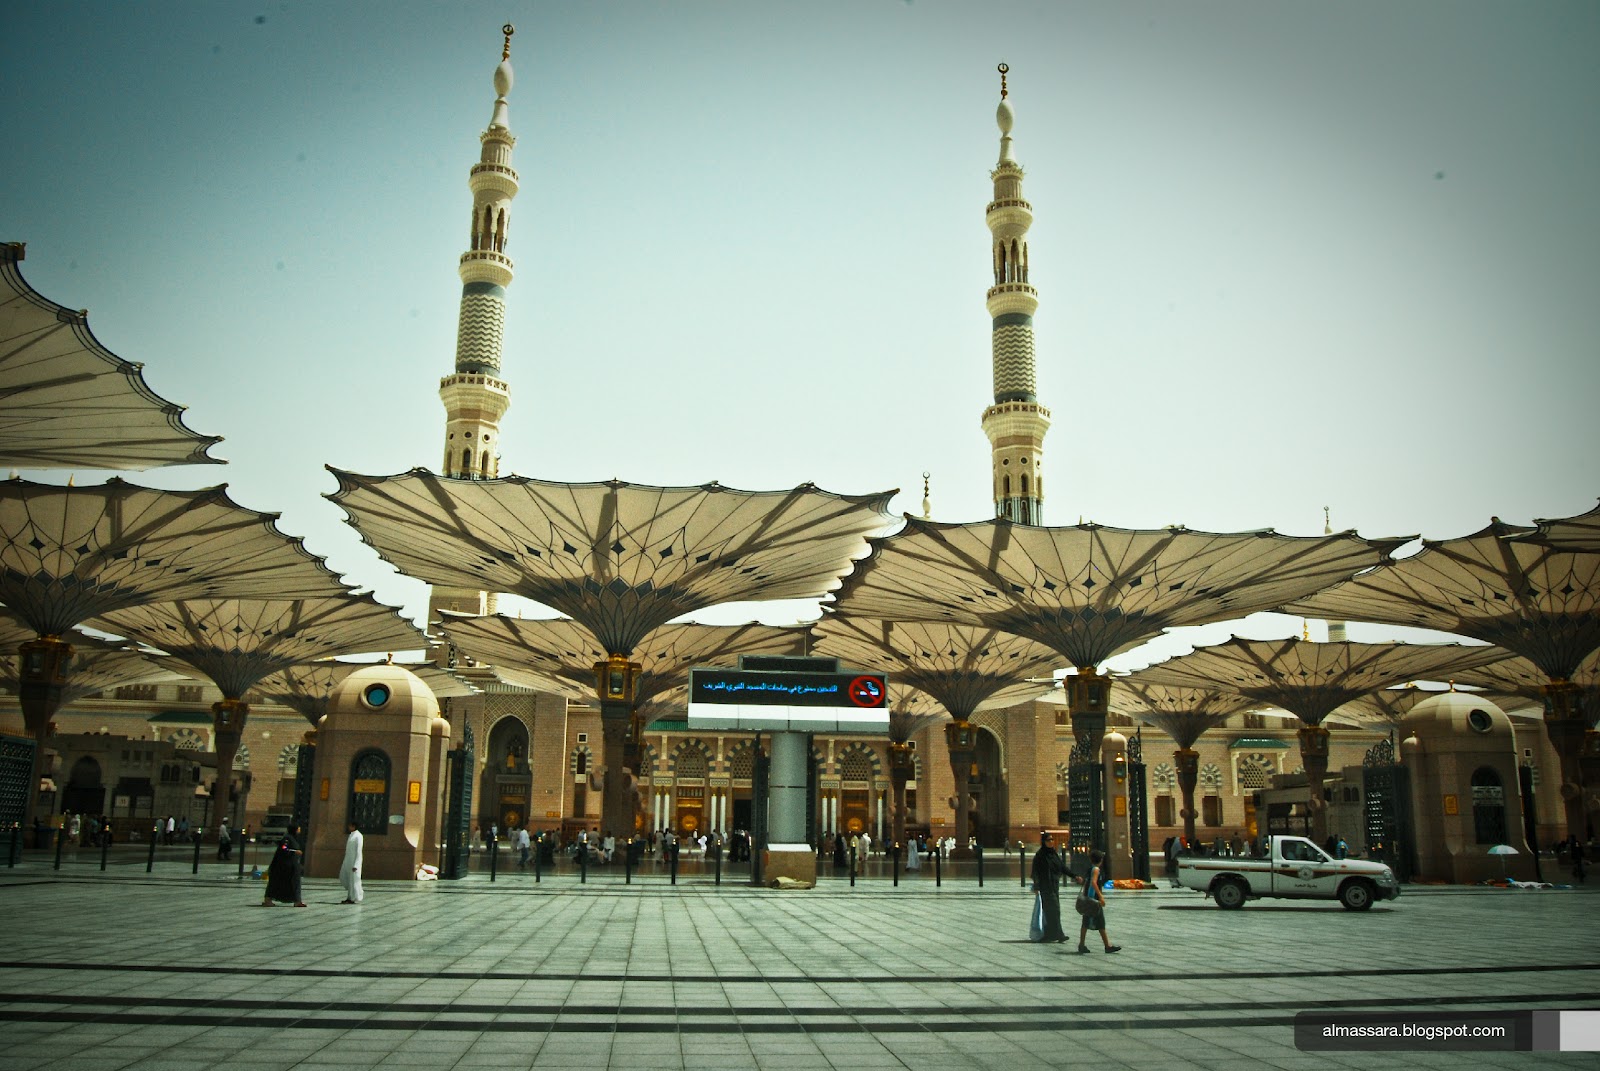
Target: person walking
{"x": 1093, "y": 907}
{"x": 1047, "y": 871}
{"x": 350, "y": 869}
{"x": 224, "y": 842}
{"x": 524, "y": 848}
{"x": 283, "y": 873}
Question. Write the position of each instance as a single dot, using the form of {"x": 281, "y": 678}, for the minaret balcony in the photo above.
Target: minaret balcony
{"x": 485, "y": 266}
{"x": 1009, "y": 219}
{"x": 1009, "y": 202}
{"x": 494, "y": 178}
{"x": 1012, "y": 297}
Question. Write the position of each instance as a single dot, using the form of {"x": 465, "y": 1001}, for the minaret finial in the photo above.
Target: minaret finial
{"x": 1327, "y": 523}
{"x": 927, "y": 502}
{"x": 508, "y": 30}
{"x": 1004, "y": 69}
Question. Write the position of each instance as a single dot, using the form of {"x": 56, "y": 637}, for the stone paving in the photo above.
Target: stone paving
{"x": 168, "y": 971}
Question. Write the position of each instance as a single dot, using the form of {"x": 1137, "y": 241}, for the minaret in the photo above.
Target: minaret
{"x": 1016, "y": 422}
{"x": 475, "y": 397}
{"x": 1336, "y": 629}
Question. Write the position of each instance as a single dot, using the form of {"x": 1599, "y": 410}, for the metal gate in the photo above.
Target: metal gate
{"x": 305, "y": 773}
{"x": 16, "y": 775}
{"x": 459, "y": 771}
{"x": 1138, "y": 809}
{"x": 1086, "y": 785}
{"x": 1386, "y": 803}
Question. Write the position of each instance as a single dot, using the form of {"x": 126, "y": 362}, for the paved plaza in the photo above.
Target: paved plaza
{"x": 122, "y": 969}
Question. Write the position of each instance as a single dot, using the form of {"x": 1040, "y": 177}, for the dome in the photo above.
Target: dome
{"x": 384, "y": 689}
{"x": 1460, "y": 720}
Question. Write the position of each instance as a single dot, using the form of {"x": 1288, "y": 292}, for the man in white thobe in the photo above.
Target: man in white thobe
{"x": 350, "y": 869}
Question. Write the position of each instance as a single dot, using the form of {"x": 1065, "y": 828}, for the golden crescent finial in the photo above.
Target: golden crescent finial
{"x": 508, "y": 30}
{"x": 1004, "y": 69}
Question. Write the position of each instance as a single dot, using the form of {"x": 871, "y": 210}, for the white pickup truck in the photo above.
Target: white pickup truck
{"x": 1295, "y": 868}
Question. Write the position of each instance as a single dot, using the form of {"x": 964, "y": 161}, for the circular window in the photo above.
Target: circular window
{"x": 1480, "y": 720}
{"x": 376, "y": 695}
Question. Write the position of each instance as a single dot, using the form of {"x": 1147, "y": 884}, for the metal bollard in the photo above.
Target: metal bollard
{"x": 852, "y": 866}
{"x": 494, "y": 856}
{"x": 938, "y": 867}
{"x": 719, "y": 864}
{"x": 674, "y": 866}
{"x": 244, "y": 850}
{"x": 583, "y": 863}
{"x": 105, "y": 847}
{"x": 150, "y": 862}
{"x": 61, "y": 838}
{"x": 15, "y": 848}
{"x": 979, "y": 851}
{"x": 196, "y": 869}
{"x": 1022, "y": 867}
{"x": 538, "y": 861}
{"x": 627, "y": 863}
{"x": 896, "y": 858}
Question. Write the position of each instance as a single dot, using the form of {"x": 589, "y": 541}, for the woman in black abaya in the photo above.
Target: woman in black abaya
{"x": 283, "y": 874}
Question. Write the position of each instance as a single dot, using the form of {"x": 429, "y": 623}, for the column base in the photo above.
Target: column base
{"x": 796, "y": 862}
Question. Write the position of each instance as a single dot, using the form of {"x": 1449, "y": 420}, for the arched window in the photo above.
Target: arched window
{"x": 369, "y": 792}
{"x": 466, "y": 462}
{"x": 485, "y": 468}
{"x": 690, "y": 762}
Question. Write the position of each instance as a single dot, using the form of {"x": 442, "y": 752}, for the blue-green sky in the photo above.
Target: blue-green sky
{"x": 1289, "y": 255}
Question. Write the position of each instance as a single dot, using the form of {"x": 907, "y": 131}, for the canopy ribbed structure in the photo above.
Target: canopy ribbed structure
{"x": 1516, "y": 682}
{"x": 1385, "y": 707}
{"x": 237, "y": 643}
{"x": 1532, "y": 599}
{"x": 68, "y": 554}
{"x": 621, "y": 559}
{"x": 911, "y": 710}
{"x": 68, "y": 402}
{"x": 1505, "y": 585}
{"x": 1580, "y": 533}
{"x": 1088, "y": 591}
{"x": 1312, "y": 680}
{"x": 307, "y": 689}
{"x": 1183, "y": 712}
{"x": 965, "y": 668}
{"x": 96, "y": 663}
{"x": 559, "y": 655}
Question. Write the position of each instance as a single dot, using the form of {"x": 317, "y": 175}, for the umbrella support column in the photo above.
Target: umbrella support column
{"x": 788, "y": 853}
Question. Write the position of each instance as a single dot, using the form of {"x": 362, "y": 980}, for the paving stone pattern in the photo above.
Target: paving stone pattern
{"x": 168, "y": 971}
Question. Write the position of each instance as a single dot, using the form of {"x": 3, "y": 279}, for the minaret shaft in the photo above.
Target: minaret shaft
{"x": 1016, "y": 422}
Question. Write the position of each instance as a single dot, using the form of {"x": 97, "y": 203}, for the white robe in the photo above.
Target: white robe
{"x": 350, "y": 869}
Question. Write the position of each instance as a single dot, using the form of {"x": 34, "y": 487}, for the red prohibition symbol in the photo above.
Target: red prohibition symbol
{"x": 866, "y": 692}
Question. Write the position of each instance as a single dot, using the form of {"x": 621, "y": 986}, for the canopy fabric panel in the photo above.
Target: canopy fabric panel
{"x": 911, "y": 710}
{"x": 307, "y": 689}
{"x": 1183, "y": 712}
{"x": 1531, "y": 598}
{"x": 559, "y": 654}
{"x": 965, "y": 668}
{"x": 622, "y": 559}
{"x": 237, "y": 643}
{"x": 69, "y": 554}
{"x": 68, "y": 402}
{"x": 1580, "y": 533}
{"x": 1517, "y": 683}
{"x": 1088, "y": 591}
{"x": 1312, "y": 680}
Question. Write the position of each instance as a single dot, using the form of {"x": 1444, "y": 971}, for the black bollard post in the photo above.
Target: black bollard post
{"x": 583, "y": 863}
{"x": 61, "y": 838}
{"x": 196, "y": 869}
{"x": 105, "y": 847}
{"x": 979, "y": 851}
{"x": 244, "y": 850}
{"x": 1022, "y": 867}
{"x": 538, "y": 861}
{"x": 14, "y": 848}
{"x": 852, "y": 866}
{"x": 718, "y": 850}
{"x": 627, "y": 862}
{"x": 896, "y": 858}
{"x": 494, "y": 856}
{"x": 150, "y": 862}
{"x": 674, "y": 863}
{"x": 938, "y": 866}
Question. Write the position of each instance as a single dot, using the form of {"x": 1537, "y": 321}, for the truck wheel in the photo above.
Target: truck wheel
{"x": 1229, "y": 893}
{"x": 1356, "y": 895}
